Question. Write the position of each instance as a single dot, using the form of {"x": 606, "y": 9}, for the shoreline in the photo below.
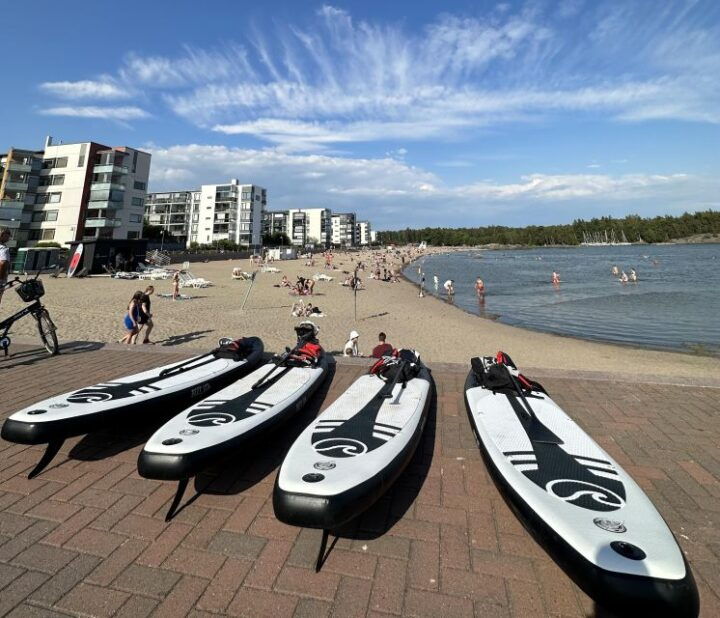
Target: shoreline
{"x": 91, "y": 310}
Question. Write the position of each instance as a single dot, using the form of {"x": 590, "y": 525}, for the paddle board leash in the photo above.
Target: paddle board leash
{"x": 252, "y": 281}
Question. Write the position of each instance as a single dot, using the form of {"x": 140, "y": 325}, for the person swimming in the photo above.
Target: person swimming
{"x": 615, "y": 271}
{"x": 555, "y": 278}
{"x": 623, "y": 277}
{"x": 479, "y": 287}
{"x": 633, "y": 275}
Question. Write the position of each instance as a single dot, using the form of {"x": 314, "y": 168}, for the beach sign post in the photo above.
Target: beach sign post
{"x": 355, "y": 286}
{"x": 252, "y": 280}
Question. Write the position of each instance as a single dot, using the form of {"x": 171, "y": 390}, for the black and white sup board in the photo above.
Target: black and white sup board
{"x": 81, "y": 411}
{"x": 228, "y": 419}
{"x": 579, "y": 504}
{"x": 352, "y": 453}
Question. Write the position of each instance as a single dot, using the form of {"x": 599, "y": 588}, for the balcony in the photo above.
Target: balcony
{"x": 102, "y": 222}
{"x": 10, "y": 216}
{"x": 16, "y": 186}
{"x": 106, "y": 186}
{"x": 106, "y": 204}
{"x": 111, "y": 169}
{"x": 17, "y": 166}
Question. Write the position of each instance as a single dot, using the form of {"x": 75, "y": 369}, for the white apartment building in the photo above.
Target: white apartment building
{"x": 302, "y": 226}
{"x": 362, "y": 233}
{"x": 231, "y": 212}
{"x": 343, "y": 229}
{"x": 74, "y": 192}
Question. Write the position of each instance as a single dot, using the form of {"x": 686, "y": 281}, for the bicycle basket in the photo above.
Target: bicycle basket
{"x": 30, "y": 290}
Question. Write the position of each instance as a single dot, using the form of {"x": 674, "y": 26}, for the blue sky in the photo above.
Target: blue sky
{"x": 410, "y": 113}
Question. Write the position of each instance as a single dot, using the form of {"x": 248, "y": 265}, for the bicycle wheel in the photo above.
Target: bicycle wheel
{"x": 46, "y": 328}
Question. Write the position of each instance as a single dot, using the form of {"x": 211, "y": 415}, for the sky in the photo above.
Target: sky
{"x": 411, "y": 114}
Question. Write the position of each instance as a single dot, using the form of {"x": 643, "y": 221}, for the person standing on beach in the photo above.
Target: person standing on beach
{"x": 4, "y": 258}
{"x": 131, "y": 319}
{"x": 176, "y": 285}
{"x": 145, "y": 316}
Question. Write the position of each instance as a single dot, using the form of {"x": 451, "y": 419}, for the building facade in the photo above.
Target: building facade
{"x": 344, "y": 229}
{"x": 303, "y": 226}
{"x": 74, "y": 192}
{"x": 231, "y": 211}
{"x": 362, "y": 233}
{"x": 172, "y": 213}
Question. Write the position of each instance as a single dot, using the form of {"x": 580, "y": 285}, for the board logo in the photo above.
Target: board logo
{"x": 189, "y": 432}
{"x": 89, "y": 397}
{"x": 210, "y": 419}
{"x": 340, "y": 447}
{"x": 324, "y": 465}
{"x": 610, "y": 525}
{"x": 57, "y": 406}
{"x": 584, "y": 494}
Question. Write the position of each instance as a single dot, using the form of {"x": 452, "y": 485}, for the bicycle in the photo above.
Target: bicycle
{"x": 30, "y": 290}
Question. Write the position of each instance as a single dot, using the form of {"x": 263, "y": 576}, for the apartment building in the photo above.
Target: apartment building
{"x": 19, "y": 170}
{"x": 362, "y": 233}
{"x": 344, "y": 229}
{"x": 230, "y": 211}
{"x": 303, "y": 226}
{"x": 75, "y": 192}
{"x": 172, "y": 213}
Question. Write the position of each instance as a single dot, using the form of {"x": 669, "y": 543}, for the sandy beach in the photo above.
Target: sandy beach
{"x": 92, "y": 309}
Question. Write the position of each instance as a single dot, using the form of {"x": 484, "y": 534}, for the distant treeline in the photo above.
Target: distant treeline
{"x": 634, "y": 227}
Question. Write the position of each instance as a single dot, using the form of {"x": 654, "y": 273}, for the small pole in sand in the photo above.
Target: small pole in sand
{"x": 252, "y": 280}
{"x": 355, "y": 291}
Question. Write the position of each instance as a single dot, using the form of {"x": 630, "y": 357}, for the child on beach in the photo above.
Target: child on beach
{"x": 131, "y": 318}
{"x": 176, "y": 285}
{"x": 351, "y": 346}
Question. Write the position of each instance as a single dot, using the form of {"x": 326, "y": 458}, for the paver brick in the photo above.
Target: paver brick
{"x": 238, "y": 545}
{"x": 96, "y": 542}
{"x": 64, "y": 580}
{"x": 254, "y": 603}
{"x": 19, "y": 589}
{"x": 114, "y": 564}
{"x": 352, "y": 597}
{"x": 303, "y": 582}
{"x": 142, "y": 580}
{"x": 182, "y": 598}
{"x": 45, "y": 558}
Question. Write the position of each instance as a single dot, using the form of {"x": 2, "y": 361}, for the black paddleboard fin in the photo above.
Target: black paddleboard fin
{"x": 50, "y": 452}
{"x": 322, "y": 556}
{"x": 182, "y": 485}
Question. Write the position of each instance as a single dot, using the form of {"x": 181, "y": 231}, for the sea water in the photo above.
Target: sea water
{"x": 674, "y": 305}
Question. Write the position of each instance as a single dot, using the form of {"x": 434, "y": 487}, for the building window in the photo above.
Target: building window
{"x": 47, "y": 198}
{"x": 46, "y": 181}
{"x": 38, "y": 216}
{"x": 135, "y": 218}
{"x": 34, "y": 234}
{"x": 140, "y": 186}
{"x": 137, "y": 201}
{"x": 133, "y": 235}
{"x": 45, "y": 215}
{"x": 60, "y": 162}
{"x": 194, "y": 229}
{"x": 49, "y": 233}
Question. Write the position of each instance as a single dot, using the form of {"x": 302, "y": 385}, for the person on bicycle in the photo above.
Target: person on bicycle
{"x": 5, "y": 235}
{"x": 132, "y": 318}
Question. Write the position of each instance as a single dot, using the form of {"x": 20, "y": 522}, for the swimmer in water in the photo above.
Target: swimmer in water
{"x": 615, "y": 271}
{"x": 479, "y": 287}
{"x": 633, "y": 275}
{"x": 623, "y": 277}
{"x": 555, "y": 278}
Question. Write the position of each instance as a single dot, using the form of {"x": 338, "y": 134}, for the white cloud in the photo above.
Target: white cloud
{"x": 91, "y": 111}
{"x": 392, "y": 193}
{"x": 86, "y": 89}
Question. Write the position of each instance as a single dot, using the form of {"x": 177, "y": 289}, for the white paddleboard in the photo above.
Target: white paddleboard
{"x": 227, "y": 419}
{"x": 580, "y": 504}
{"x": 345, "y": 460}
{"x": 75, "y": 260}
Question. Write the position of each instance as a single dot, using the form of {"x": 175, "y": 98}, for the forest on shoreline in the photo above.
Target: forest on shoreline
{"x": 633, "y": 228}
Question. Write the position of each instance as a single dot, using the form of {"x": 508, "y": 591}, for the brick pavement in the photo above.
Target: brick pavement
{"x": 88, "y": 536}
